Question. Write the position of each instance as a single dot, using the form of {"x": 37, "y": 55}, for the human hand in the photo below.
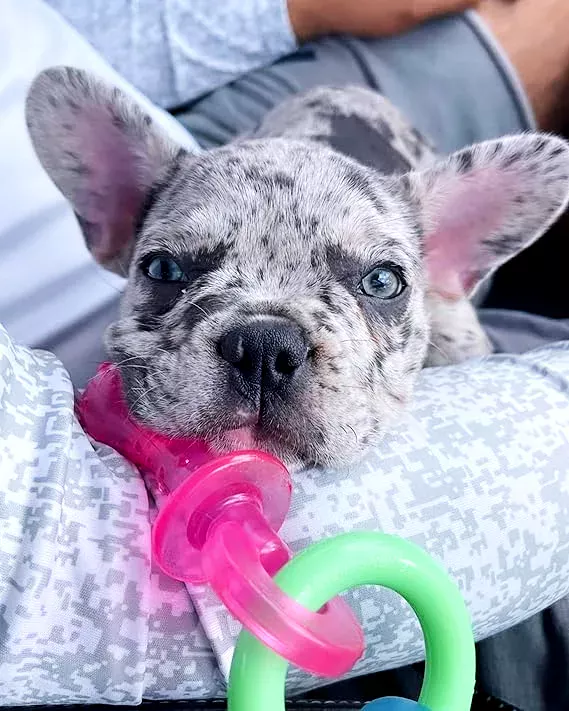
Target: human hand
{"x": 366, "y": 18}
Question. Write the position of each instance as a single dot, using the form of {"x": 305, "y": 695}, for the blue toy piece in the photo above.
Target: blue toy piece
{"x": 394, "y": 703}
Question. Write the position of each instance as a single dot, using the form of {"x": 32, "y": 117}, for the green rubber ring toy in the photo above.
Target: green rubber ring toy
{"x": 325, "y": 569}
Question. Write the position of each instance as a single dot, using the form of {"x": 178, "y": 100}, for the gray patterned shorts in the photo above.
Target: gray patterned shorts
{"x": 475, "y": 472}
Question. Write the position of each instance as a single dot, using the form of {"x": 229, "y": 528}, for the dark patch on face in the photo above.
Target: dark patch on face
{"x": 345, "y": 267}
{"x": 235, "y": 223}
{"x": 360, "y": 140}
{"x": 348, "y": 271}
{"x": 513, "y": 158}
{"x": 156, "y": 298}
{"x": 327, "y": 299}
{"x": 390, "y": 311}
{"x": 283, "y": 181}
{"x": 147, "y": 323}
{"x": 204, "y": 260}
{"x": 359, "y": 181}
{"x": 464, "y": 161}
{"x": 159, "y": 297}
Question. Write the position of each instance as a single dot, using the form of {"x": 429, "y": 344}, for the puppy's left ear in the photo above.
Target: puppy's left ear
{"x": 484, "y": 204}
{"x": 103, "y": 153}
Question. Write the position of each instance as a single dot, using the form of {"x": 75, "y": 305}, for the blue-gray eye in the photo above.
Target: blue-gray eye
{"x": 164, "y": 269}
{"x": 383, "y": 283}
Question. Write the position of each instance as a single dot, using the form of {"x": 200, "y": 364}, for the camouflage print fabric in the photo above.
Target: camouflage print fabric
{"x": 475, "y": 472}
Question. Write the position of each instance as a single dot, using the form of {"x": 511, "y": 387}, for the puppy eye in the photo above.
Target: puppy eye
{"x": 164, "y": 269}
{"x": 383, "y": 283}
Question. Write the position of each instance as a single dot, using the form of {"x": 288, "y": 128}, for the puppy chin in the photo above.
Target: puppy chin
{"x": 245, "y": 438}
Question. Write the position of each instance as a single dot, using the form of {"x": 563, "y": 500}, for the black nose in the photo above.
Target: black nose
{"x": 265, "y": 355}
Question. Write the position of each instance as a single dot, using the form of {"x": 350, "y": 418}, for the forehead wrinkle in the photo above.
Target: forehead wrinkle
{"x": 386, "y": 251}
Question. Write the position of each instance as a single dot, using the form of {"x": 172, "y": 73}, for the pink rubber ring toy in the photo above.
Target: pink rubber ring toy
{"x": 217, "y": 524}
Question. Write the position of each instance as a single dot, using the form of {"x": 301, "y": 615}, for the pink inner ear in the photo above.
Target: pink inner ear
{"x": 112, "y": 191}
{"x": 462, "y": 212}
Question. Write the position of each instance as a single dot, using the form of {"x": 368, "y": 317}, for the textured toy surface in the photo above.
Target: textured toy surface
{"x": 368, "y": 558}
{"x": 394, "y": 703}
{"x": 218, "y": 523}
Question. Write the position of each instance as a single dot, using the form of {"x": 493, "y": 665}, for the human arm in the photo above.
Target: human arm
{"x": 85, "y": 617}
{"x": 475, "y": 473}
{"x": 175, "y": 50}
{"x": 366, "y": 18}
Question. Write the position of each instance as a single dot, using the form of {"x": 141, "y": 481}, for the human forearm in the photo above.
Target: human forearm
{"x": 373, "y": 18}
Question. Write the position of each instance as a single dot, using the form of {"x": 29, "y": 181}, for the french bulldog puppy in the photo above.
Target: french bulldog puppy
{"x": 285, "y": 290}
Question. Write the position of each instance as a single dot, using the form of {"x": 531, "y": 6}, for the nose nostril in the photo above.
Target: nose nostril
{"x": 231, "y": 348}
{"x": 286, "y": 364}
{"x": 263, "y": 355}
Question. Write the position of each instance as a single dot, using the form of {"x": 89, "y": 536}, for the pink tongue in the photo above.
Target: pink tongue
{"x": 241, "y": 438}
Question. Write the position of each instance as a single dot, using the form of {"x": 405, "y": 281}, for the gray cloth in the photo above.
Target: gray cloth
{"x": 518, "y": 332}
{"x": 473, "y": 471}
{"x": 433, "y": 75}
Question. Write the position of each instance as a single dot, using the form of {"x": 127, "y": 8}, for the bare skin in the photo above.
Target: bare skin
{"x": 533, "y": 33}
{"x": 535, "y": 36}
{"x": 366, "y": 18}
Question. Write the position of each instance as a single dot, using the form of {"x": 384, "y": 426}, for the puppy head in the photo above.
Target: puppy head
{"x": 277, "y": 291}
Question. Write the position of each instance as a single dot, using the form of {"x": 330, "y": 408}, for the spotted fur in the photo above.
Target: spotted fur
{"x": 285, "y": 224}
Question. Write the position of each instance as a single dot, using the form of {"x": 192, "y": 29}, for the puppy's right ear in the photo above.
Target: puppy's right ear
{"x": 102, "y": 151}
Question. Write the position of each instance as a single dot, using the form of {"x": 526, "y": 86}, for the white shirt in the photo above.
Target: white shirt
{"x": 48, "y": 278}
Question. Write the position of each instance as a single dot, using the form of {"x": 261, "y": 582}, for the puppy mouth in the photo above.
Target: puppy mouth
{"x": 241, "y": 438}
{"x": 253, "y": 431}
